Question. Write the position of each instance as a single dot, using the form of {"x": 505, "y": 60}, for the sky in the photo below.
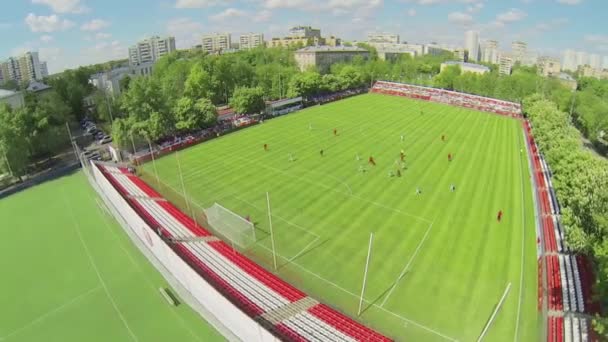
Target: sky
{"x": 70, "y": 33}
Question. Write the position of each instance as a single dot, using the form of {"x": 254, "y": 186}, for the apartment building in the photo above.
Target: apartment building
{"x": 251, "y": 40}
{"x": 151, "y": 49}
{"x": 216, "y": 42}
{"x": 322, "y": 57}
{"x": 24, "y": 68}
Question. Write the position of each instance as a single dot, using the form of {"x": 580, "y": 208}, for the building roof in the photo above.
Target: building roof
{"x": 36, "y": 86}
{"x": 468, "y": 65}
{"x": 325, "y": 48}
{"x": 6, "y": 93}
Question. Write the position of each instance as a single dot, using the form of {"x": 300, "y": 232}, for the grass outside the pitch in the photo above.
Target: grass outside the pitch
{"x": 440, "y": 261}
{"x": 72, "y": 274}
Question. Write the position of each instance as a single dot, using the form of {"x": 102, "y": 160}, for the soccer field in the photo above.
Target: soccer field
{"x": 440, "y": 261}
{"x": 70, "y": 273}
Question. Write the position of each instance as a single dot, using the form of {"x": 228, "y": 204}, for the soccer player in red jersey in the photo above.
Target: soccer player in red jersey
{"x": 499, "y": 217}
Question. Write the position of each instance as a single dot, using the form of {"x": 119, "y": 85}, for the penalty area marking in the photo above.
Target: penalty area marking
{"x": 94, "y": 264}
{"x": 407, "y": 266}
{"x": 406, "y": 320}
{"x": 49, "y": 313}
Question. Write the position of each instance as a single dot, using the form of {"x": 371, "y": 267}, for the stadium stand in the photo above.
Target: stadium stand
{"x": 257, "y": 292}
{"x": 452, "y": 98}
{"x": 569, "y": 277}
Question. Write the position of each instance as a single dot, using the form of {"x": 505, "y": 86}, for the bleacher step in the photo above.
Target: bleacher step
{"x": 190, "y": 239}
{"x": 286, "y": 311}
{"x": 155, "y": 199}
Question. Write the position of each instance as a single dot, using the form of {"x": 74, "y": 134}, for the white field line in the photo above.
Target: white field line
{"x": 364, "y": 300}
{"x": 103, "y": 208}
{"x": 335, "y": 178}
{"x": 92, "y": 262}
{"x": 290, "y": 261}
{"x": 303, "y": 249}
{"x": 334, "y": 190}
{"x": 523, "y": 228}
{"x": 44, "y": 316}
{"x": 407, "y": 266}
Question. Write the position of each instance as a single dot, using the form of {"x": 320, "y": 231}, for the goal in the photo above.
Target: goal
{"x": 230, "y": 225}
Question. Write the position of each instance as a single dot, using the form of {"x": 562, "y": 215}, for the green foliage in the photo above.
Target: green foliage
{"x": 14, "y": 145}
{"x": 248, "y": 100}
{"x": 191, "y": 115}
{"x": 581, "y": 181}
{"x": 305, "y": 84}
{"x": 447, "y": 77}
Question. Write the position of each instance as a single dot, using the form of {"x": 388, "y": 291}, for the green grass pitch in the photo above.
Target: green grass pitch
{"x": 70, "y": 273}
{"x": 440, "y": 261}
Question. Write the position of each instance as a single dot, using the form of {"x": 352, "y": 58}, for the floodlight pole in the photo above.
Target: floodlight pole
{"x": 67, "y": 125}
{"x": 181, "y": 177}
{"x": 274, "y": 254}
{"x": 10, "y": 169}
{"x": 134, "y": 150}
{"x": 153, "y": 161}
{"x": 369, "y": 253}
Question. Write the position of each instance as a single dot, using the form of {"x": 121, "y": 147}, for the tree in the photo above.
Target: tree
{"x": 350, "y": 77}
{"x": 447, "y": 77}
{"x": 124, "y": 83}
{"x": 191, "y": 115}
{"x": 200, "y": 83}
{"x": 248, "y": 100}
{"x": 14, "y": 147}
{"x": 304, "y": 84}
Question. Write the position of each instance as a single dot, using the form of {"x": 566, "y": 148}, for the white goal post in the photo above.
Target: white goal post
{"x": 232, "y": 226}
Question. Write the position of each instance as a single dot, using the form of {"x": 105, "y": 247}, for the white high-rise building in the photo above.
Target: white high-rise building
{"x": 251, "y": 40}
{"x": 151, "y": 49}
{"x": 581, "y": 58}
{"x": 24, "y": 68}
{"x": 471, "y": 44}
{"x": 217, "y": 42}
{"x": 378, "y": 37}
{"x": 490, "y": 52}
{"x": 519, "y": 50}
{"x": 44, "y": 70}
{"x": 595, "y": 61}
{"x": 569, "y": 60}
{"x": 605, "y": 62}
{"x": 505, "y": 64}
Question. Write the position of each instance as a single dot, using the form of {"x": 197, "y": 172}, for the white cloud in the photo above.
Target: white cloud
{"x": 46, "y": 38}
{"x": 552, "y": 24}
{"x": 435, "y": 2}
{"x": 358, "y": 8}
{"x": 511, "y": 16}
{"x": 63, "y": 6}
{"x": 570, "y": 2}
{"x": 187, "y": 32}
{"x": 94, "y": 25}
{"x": 262, "y": 16}
{"x": 474, "y": 8}
{"x": 227, "y": 14}
{"x": 411, "y": 12}
{"x": 199, "y": 3}
{"x": 460, "y": 18}
{"x": 102, "y": 36}
{"x": 596, "y": 39}
{"x": 49, "y": 23}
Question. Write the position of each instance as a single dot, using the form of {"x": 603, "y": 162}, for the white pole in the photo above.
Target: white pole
{"x": 274, "y": 254}
{"x": 134, "y": 150}
{"x": 8, "y": 164}
{"x": 369, "y": 253}
{"x": 67, "y": 125}
{"x": 153, "y": 162}
{"x": 181, "y": 177}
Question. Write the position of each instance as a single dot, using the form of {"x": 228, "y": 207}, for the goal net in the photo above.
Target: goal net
{"x": 233, "y": 227}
